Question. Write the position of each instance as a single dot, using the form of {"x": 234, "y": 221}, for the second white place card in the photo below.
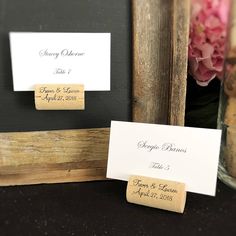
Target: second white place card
{"x": 182, "y": 154}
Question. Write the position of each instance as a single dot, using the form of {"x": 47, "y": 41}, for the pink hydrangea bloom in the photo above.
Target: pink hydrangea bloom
{"x": 207, "y": 39}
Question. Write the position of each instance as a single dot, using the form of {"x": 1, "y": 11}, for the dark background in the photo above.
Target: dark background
{"x": 17, "y": 111}
{"x": 202, "y": 104}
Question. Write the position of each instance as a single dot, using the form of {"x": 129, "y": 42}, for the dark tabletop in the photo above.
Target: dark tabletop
{"x": 100, "y": 208}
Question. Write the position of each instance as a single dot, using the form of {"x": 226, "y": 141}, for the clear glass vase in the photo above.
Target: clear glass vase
{"x": 227, "y": 122}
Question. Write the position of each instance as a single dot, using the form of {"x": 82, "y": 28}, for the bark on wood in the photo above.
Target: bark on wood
{"x": 160, "y": 38}
{"x": 53, "y": 156}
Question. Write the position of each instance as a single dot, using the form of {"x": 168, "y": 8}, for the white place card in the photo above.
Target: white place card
{"x": 182, "y": 154}
{"x": 61, "y": 58}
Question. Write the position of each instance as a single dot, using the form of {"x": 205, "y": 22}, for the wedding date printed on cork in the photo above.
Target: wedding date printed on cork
{"x": 162, "y": 194}
{"x": 59, "y": 97}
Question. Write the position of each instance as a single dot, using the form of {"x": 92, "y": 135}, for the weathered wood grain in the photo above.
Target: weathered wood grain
{"x": 53, "y": 156}
{"x": 160, "y": 38}
{"x": 178, "y": 81}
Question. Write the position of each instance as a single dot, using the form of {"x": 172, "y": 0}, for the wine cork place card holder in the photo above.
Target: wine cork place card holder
{"x": 161, "y": 165}
{"x": 59, "y": 97}
{"x": 69, "y": 65}
{"x": 157, "y": 193}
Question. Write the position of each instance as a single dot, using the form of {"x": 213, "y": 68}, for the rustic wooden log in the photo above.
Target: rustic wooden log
{"x": 160, "y": 38}
{"x": 53, "y": 156}
{"x": 180, "y": 38}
